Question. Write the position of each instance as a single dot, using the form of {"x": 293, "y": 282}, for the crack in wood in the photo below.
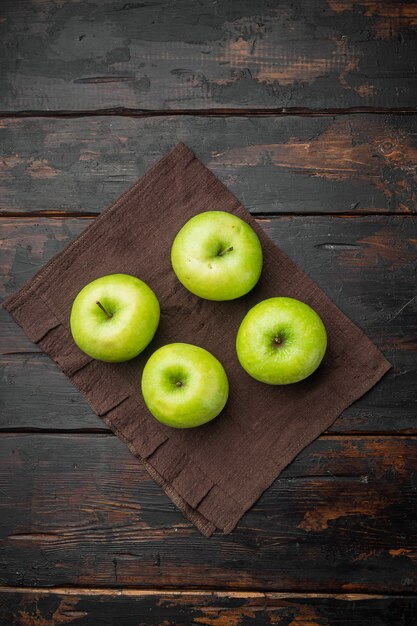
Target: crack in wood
{"x": 403, "y": 307}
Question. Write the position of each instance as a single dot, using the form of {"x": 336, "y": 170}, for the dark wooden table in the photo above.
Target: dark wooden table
{"x": 307, "y": 111}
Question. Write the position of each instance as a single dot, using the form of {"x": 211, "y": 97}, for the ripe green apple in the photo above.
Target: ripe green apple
{"x": 114, "y": 317}
{"x": 217, "y": 256}
{"x": 184, "y": 386}
{"x": 281, "y": 341}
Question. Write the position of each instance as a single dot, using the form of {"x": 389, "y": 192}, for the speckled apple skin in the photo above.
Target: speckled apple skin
{"x": 184, "y": 385}
{"x": 281, "y": 341}
{"x": 217, "y": 256}
{"x": 134, "y": 310}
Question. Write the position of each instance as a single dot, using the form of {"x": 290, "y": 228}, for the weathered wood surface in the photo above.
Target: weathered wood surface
{"x": 366, "y": 264}
{"x": 189, "y": 55}
{"x": 155, "y": 608}
{"x": 81, "y": 510}
{"x": 78, "y": 509}
{"x": 344, "y": 164}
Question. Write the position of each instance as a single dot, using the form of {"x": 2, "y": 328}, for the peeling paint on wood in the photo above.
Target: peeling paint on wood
{"x": 83, "y": 510}
{"x": 344, "y": 164}
{"x": 156, "y": 608}
{"x": 80, "y": 509}
{"x": 390, "y": 18}
{"x": 161, "y": 55}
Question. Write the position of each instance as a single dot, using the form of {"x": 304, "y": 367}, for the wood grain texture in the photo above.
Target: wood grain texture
{"x": 345, "y": 164}
{"x": 155, "y": 608}
{"x": 78, "y": 509}
{"x": 366, "y": 264}
{"x": 83, "y": 511}
{"x": 185, "y": 55}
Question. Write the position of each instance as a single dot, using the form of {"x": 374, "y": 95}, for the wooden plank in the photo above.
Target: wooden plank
{"x": 87, "y": 607}
{"x": 81, "y": 510}
{"x": 366, "y": 264}
{"x": 186, "y": 55}
{"x": 36, "y": 395}
{"x": 344, "y": 164}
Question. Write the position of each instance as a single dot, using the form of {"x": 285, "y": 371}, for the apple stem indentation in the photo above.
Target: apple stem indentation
{"x": 179, "y": 383}
{"x": 222, "y": 252}
{"x": 109, "y": 315}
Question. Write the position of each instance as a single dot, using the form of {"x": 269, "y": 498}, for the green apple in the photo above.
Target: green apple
{"x": 217, "y": 256}
{"x": 114, "y": 317}
{"x": 281, "y": 341}
{"x": 184, "y": 386}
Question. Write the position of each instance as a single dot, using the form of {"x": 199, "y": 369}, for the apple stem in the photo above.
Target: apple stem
{"x": 229, "y": 249}
{"x": 279, "y": 340}
{"x": 109, "y": 315}
{"x": 178, "y": 383}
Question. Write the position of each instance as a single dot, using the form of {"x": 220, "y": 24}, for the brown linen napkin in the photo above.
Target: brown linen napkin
{"x": 213, "y": 473}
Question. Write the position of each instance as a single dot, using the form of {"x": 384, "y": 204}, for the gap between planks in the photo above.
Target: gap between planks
{"x": 215, "y": 112}
{"x": 138, "y": 592}
{"x": 259, "y": 217}
{"x": 86, "y": 432}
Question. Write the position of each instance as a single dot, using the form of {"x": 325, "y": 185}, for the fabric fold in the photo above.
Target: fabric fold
{"x": 130, "y": 423}
{"x": 37, "y": 322}
{"x": 216, "y": 472}
{"x": 58, "y": 344}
